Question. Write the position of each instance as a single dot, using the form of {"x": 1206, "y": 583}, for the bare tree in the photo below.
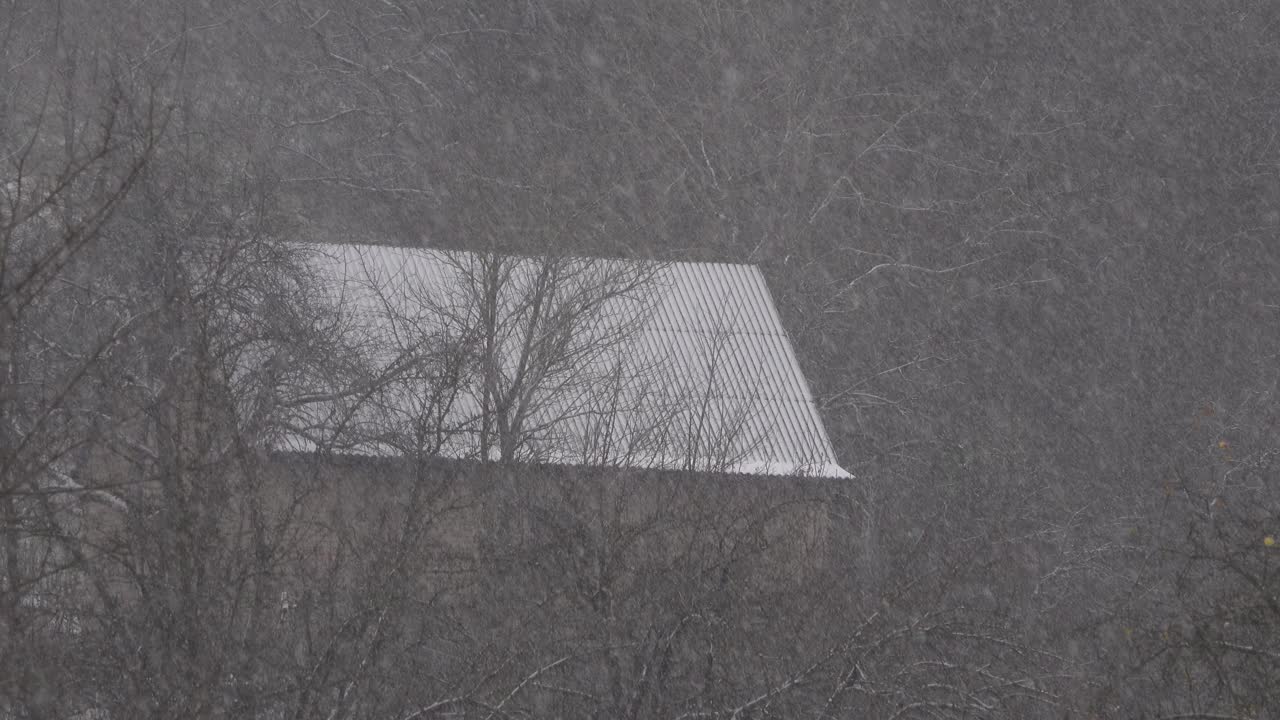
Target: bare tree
{"x": 500, "y": 354}
{"x": 73, "y": 156}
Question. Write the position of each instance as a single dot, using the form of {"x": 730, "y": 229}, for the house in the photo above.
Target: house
{"x": 521, "y": 401}
{"x": 409, "y": 481}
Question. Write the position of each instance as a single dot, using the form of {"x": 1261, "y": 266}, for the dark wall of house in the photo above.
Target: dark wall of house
{"x": 651, "y": 586}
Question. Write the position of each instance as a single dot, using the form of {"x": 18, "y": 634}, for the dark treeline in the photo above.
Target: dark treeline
{"x": 1026, "y": 250}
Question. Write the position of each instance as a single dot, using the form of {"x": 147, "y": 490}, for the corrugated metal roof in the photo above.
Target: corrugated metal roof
{"x": 689, "y": 368}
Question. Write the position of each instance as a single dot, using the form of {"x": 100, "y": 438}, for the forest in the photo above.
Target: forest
{"x": 1026, "y": 251}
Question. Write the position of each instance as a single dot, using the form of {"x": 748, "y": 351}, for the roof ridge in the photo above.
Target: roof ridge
{"x": 471, "y": 251}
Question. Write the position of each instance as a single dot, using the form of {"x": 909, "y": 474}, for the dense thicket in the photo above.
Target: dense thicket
{"x": 1026, "y": 250}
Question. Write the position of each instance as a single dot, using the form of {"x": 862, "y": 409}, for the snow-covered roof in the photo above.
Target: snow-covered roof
{"x": 568, "y": 360}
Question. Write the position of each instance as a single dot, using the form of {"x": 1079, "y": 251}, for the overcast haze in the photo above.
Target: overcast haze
{"x": 1027, "y": 253}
